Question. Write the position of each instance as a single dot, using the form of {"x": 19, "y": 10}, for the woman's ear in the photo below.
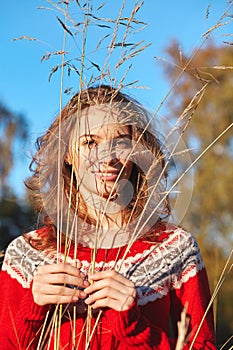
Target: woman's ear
{"x": 68, "y": 158}
{"x": 71, "y": 155}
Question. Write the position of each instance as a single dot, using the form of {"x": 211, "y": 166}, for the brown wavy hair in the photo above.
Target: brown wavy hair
{"x": 47, "y": 190}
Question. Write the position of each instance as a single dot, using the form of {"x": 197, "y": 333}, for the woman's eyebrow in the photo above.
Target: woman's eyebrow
{"x": 89, "y": 135}
{"x": 128, "y": 136}
{"x": 95, "y": 136}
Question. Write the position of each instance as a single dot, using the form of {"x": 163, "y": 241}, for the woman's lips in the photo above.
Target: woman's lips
{"x": 107, "y": 175}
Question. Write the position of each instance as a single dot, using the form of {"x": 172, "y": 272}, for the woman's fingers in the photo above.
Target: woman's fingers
{"x": 113, "y": 274}
{"x": 58, "y": 283}
{"x": 56, "y": 268}
{"x": 61, "y": 278}
{"x": 116, "y": 304}
{"x": 110, "y": 284}
{"x": 110, "y": 289}
{"x": 50, "y": 289}
{"x": 112, "y": 280}
{"x": 60, "y": 274}
{"x": 58, "y": 298}
{"x": 61, "y": 283}
{"x": 111, "y": 298}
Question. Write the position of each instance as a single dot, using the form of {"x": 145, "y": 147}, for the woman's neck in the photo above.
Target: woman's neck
{"x": 109, "y": 230}
{"x": 105, "y": 218}
{"x": 107, "y": 212}
{"x": 104, "y": 238}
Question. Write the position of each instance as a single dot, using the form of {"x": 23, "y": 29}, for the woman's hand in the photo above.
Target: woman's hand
{"x": 55, "y": 284}
{"x": 110, "y": 289}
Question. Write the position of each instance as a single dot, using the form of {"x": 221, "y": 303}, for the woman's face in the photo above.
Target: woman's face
{"x": 100, "y": 152}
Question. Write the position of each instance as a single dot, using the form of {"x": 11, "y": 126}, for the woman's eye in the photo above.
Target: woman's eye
{"x": 123, "y": 143}
{"x": 89, "y": 143}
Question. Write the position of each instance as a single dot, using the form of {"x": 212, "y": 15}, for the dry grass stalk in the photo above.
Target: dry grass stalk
{"x": 129, "y": 50}
{"x": 225, "y": 272}
{"x": 40, "y": 341}
{"x": 185, "y": 119}
{"x": 182, "y": 325}
{"x": 227, "y": 343}
{"x": 25, "y": 37}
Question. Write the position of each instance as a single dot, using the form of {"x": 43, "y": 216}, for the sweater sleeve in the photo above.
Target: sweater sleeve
{"x": 195, "y": 292}
{"x": 135, "y": 331}
{"x": 190, "y": 287}
{"x": 21, "y": 316}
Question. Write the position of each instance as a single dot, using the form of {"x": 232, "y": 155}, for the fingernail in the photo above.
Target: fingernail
{"x": 75, "y": 299}
{"x": 82, "y": 295}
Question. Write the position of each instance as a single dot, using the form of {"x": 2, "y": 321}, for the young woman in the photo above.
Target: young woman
{"x": 104, "y": 270}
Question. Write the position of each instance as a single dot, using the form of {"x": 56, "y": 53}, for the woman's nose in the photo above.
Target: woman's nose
{"x": 107, "y": 152}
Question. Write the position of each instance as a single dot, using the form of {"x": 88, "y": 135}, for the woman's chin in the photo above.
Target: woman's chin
{"x": 110, "y": 195}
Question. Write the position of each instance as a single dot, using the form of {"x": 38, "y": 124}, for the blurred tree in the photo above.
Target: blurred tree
{"x": 15, "y": 214}
{"x": 211, "y": 211}
{"x": 16, "y": 217}
{"x": 13, "y": 127}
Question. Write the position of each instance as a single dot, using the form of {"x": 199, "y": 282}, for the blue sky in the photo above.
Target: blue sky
{"x": 24, "y": 86}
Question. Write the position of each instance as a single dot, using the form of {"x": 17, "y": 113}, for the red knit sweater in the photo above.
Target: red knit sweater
{"x": 167, "y": 273}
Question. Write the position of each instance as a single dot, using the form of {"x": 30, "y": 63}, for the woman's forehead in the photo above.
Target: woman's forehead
{"x": 102, "y": 118}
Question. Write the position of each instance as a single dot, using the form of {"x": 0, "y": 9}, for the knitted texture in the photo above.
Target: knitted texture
{"x": 167, "y": 271}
